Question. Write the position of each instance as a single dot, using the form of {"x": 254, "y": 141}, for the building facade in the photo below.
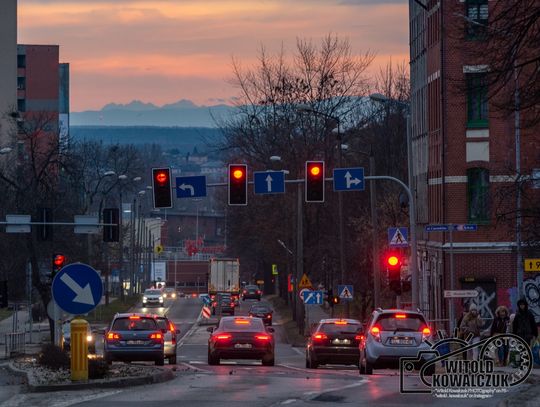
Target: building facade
{"x": 8, "y": 69}
{"x": 464, "y": 171}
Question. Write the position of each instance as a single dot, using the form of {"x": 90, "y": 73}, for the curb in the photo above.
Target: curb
{"x": 159, "y": 377}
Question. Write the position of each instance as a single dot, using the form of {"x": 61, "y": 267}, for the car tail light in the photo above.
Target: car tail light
{"x": 113, "y": 336}
{"x": 223, "y": 337}
{"x": 359, "y": 337}
{"x": 194, "y": 295}
{"x": 241, "y": 321}
{"x": 157, "y": 336}
{"x": 172, "y": 327}
{"x": 376, "y": 333}
{"x": 401, "y": 316}
{"x": 320, "y": 337}
{"x": 269, "y": 316}
{"x": 232, "y": 304}
{"x": 134, "y": 317}
{"x": 245, "y": 291}
{"x": 250, "y": 314}
{"x": 258, "y": 291}
{"x": 340, "y": 322}
{"x": 262, "y": 337}
{"x": 426, "y": 332}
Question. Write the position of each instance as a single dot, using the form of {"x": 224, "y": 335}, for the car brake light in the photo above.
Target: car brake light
{"x": 112, "y": 336}
{"x": 232, "y": 304}
{"x": 359, "y": 337}
{"x": 241, "y": 321}
{"x": 262, "y": 337}
{"x": 171, "y": 327}
{"x": 269, "y": 316}
{"x": 223, "y": 337}
{"x": 426, "y": 332}
{"x": 401, "y": 316}
{"x": 156, "y": 336}
{"x": 134, "y": 317}
{"x": 258, "y": 291}
{"x": 245, "y": 291}
{"x": 376, "y": 332}
{"x": 340, "y": 322}
{"x": 320, "y": 337}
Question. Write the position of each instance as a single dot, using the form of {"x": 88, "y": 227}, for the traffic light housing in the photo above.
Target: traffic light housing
{"x": 237, "y": 184}
{"x": 44, "y": 232}
{"x": 393, "y": 262}
{"x": 58, "y": 261}
{"x": 161, "y": 184}
{"x": 314, "y": 181}
{"x": 111, "y": 233}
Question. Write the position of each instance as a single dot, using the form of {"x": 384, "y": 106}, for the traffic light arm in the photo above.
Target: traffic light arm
{"x": 59, "y": 223}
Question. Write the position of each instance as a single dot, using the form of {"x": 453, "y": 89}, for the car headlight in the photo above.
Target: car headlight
{"x": 160, "y": 298}
{"x": 144, "y": 299}
{"x": 89, "y": 338}
{"x": 173, "y": 295}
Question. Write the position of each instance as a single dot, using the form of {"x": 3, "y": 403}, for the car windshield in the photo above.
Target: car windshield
{"x": 241, "y": 324}
{"x": 333, "y": 328}
{"x": 252, "y": 287}
{"x": 260, "y": 310}
{"x": 152, "y": 292}
{"x": 131, "y": 324}
{"x": 401, "y": 322}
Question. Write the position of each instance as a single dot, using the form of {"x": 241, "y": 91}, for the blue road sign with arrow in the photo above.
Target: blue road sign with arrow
{"x": 269, "y": 182}
{"x": 313, "y": 297}
{"x": 77, "y": 288}
{"x": 191, "y": 187}
{"x": 349, "y": 179}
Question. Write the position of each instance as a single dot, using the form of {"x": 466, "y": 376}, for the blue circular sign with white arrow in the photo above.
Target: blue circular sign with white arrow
{"x": 77, "y": 288}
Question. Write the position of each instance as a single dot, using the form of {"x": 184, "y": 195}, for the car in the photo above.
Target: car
{"x": 223, "y": 302}
{"x": 153, "y": 297}
{"x": 134, "y": 337}
{"x": 392, "y": 334}
{"x": 262, "y": 311}
{"x": 241, "y": 338}
{"x": 169, "y": 292}
{"x": 251, "y": 292}
{"x": 334, "y": 341}
{"x": 66, "y": 335}
{"x": 170, "y": 336}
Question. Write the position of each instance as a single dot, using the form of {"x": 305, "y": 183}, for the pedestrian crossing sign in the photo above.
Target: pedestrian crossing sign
{"x": 398, "y": 237}
{"x": 345, "y": 292}
{"x": 305, "y": 282}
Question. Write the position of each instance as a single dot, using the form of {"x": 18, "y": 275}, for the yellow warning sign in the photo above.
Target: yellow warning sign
{"x": 304, "y": 282}
{"x": 532, "y": 265}
{"x": 159, "y": 249}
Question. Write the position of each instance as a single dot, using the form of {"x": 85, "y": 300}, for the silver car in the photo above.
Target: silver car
{"x": 170, "y": 335}
{"x": 153, "y": 297}
{"x": 392, "y": 334}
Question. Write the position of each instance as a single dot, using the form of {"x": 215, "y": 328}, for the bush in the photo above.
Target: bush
{"x": 97, "y": 368}
{"x": 53, "y": 357}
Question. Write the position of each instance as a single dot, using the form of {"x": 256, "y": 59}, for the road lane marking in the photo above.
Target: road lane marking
{"x": 348, "y": 373}
{"x": 198, "y": 369}
{"x": 298, "y": 351}
{"x": 314, "y": 394}
{"x": 288, "y": 401}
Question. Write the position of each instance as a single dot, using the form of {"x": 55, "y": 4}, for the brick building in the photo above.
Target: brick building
{"x": 464, "y": 155}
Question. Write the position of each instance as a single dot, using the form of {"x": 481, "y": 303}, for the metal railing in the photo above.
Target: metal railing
{"x": 15, "y": 343}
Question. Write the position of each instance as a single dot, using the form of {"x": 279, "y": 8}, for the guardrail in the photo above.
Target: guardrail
{"x": 15, "y": 343}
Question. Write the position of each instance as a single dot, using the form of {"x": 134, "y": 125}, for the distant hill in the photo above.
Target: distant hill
{"x": 181, "y": 138}
{"x": 183, "y": 113}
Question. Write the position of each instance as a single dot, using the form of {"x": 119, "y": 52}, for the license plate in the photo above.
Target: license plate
{"x": 243, "y": 346}
{"x": 341, "y": 342}
{"x": 400, "y": 341}
{"x": 136, "y": 342}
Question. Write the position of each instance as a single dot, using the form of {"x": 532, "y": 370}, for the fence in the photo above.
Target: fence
{"x": 15, "y": 343}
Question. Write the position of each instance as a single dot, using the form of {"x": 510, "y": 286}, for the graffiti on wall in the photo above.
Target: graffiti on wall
{"x": 486, "y": 301}
{"x": 531, "y": 290}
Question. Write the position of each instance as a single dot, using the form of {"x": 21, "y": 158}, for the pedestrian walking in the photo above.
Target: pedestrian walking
{"x": 524, "y": 324}
{"x": 500, "y": 326}
{"x": 471, "y": 324}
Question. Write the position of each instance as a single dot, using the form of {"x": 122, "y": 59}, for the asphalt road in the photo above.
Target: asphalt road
{"x": 248, "y": 383}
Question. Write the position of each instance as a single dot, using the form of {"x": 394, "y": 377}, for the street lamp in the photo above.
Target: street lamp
{"x": 109, "y": 173}
{"x": 377, "y": 97}
{"x": 307, "y": 109}
{"x": 5, "y": 150}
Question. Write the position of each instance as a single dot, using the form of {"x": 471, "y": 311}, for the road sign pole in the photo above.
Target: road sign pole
{"x": 451, "y": 310}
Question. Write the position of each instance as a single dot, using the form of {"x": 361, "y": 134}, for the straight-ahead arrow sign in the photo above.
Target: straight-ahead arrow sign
{"x": 269, "y": 180}
{"x": 350, "y": 180}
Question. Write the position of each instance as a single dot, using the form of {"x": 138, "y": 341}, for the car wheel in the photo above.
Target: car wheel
{"x": 268, "y": 360}
{"x": 368, "y": 368}
{"x": 361, "y": 368}
{"x": 313, "y": 364}
{"x": 172, "y": 360}
{"x": 160, "y": 361}
{"x": 212, "y": 360}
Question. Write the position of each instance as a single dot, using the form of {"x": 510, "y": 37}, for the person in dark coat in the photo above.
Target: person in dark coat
{"x": 500, "y": 326}
{"x": 524, "y": 324}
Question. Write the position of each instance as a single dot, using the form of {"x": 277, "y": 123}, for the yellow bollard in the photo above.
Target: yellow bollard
{"x": 79, "y": 350}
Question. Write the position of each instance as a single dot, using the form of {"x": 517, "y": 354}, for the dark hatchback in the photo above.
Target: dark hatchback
{"x": 263, "y": 312}
{"x": 251, "y": 292}
{"x": 241, "y": 338}
{"x": 335, "y": 342}
{"x": 134, "y": 337}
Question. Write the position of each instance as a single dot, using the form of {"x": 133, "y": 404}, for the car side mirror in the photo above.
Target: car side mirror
{"x": 270, "y": 329}
{"x": 210, "y": 329}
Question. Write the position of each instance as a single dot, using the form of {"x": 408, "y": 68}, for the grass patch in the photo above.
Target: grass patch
{"x": 290, "y": 327}
{"x": 105, "y": 313}
{"x": 5, "y": 313}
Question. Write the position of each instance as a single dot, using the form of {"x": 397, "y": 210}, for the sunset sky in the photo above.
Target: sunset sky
{"x": 161, "y": 51}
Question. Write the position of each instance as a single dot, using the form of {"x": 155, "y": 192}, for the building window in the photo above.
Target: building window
{"x": 478, "y": 194}
{"x": 21, "y": 83}
{"x": 21, "y": 105}
{"x": 477, "y": 16}
{"x": 21, "y": 61}
{"x": 477, "y": 100}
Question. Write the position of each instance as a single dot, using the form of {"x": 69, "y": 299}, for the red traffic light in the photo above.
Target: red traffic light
{"x": 314, "y": 182}
{"x": 238, "y": 174}
{"x": 59, "y": 260}
{"x": 315, "y": 170}
{"x": 237, "y": 184}
{"x": 162, "y": 177}
{"x": 392, "y": 260}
